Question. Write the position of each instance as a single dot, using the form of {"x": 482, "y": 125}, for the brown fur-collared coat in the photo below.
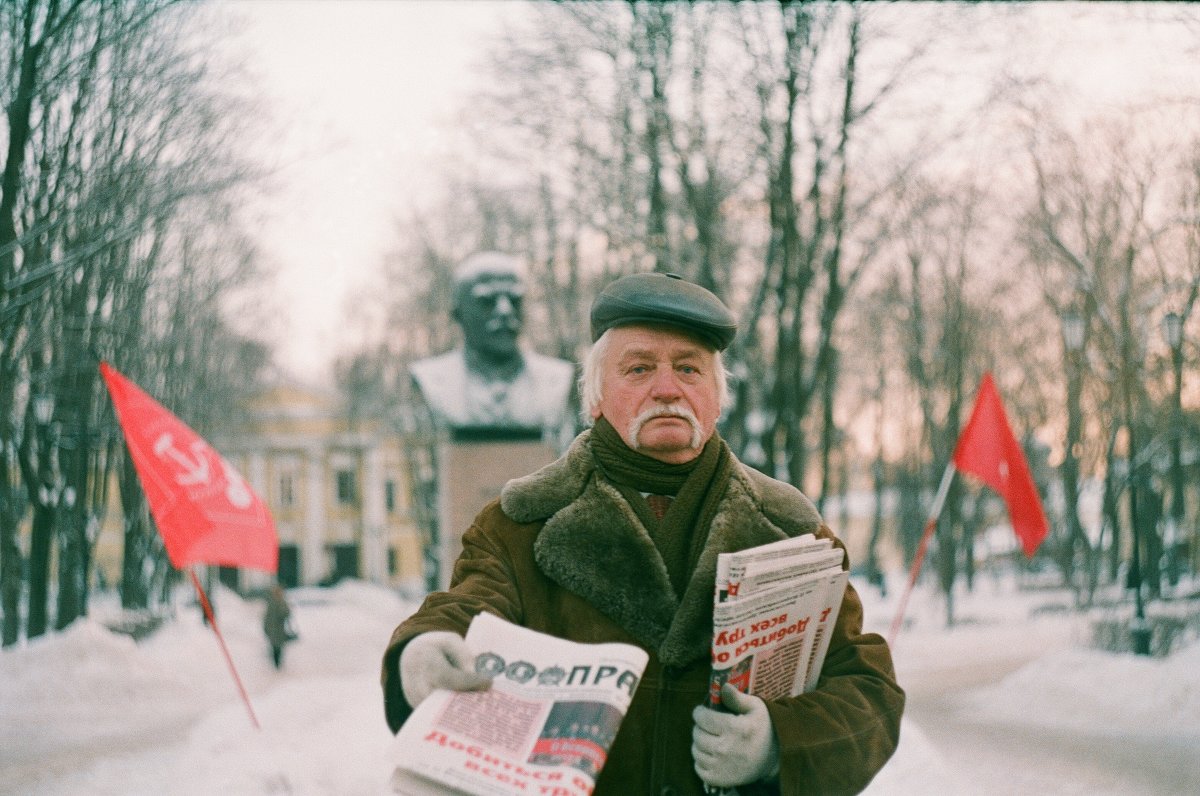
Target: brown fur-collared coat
{"x": 562, "y": 552}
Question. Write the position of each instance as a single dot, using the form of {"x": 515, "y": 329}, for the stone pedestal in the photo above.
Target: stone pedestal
{"x": 472, "y": 468}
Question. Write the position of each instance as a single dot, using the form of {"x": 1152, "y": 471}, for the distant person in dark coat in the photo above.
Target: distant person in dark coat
{"x": 277, "y": 624}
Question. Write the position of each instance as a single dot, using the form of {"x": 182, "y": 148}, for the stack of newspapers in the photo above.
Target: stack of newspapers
{"x": 775, "y": 606}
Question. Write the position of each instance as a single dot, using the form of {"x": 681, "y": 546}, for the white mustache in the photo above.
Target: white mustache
{"x": 664, "y": 410}
{"x": 506, "y": 324}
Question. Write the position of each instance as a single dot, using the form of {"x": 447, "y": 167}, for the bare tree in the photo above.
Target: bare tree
{"x": 120, "y": 151}
{"x": 827, "y": 218}
{"x": 1089, "y": 236}
{"x": 943, "y": 331}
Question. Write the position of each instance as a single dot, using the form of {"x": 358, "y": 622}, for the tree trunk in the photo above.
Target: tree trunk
{"x": 19, "y": 113}
{"x": 40, "y": 546}
{"x": 136, "y": 550}
{"x": 949, "y": 532}
{"x": 11, "y": 566}
{"x": 828, "y": 433}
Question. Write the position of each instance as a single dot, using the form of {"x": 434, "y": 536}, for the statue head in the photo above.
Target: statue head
{"x": 490, "y": 381}
{"x": 488, "y": 291}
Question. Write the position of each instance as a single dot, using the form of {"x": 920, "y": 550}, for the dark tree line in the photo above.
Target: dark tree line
{"x": 118, "y": 241}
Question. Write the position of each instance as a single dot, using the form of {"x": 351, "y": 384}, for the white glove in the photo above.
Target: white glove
{"x": 438, "y": 659}
{"x": 734, "y": 748}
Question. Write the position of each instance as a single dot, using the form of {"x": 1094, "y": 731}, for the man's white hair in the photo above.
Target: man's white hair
{"x": 591, "y": 379}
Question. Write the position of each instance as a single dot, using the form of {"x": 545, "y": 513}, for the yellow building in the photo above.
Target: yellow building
{"x": 337, "y": 490}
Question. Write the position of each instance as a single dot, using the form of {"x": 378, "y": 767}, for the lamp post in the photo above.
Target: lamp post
{"x": 41, "y": 531}
{"x": 1140, "y": 630}
{"x": 1073, "y": 332}
{"x": 1173, "y": 334}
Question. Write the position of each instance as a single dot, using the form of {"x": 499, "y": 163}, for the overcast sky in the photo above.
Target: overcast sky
{"x": 358, "y": 89}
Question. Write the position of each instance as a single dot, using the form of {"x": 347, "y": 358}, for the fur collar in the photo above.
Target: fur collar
{"x": 593, "y": 544}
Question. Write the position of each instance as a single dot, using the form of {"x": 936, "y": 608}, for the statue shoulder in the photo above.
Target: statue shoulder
{"x": 551, "y": 378}
{"x": 436, "y": 366}
{"x": 542, "y": 365}
{"x": 441, "y": 382}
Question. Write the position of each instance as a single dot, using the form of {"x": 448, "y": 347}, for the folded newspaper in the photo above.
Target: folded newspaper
{"x": 545, "y": 726}
{"x": 773, "y": 608}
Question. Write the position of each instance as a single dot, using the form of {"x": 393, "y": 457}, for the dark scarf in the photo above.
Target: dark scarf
{"x": 697, "y": 486}
{"x": 591, "y": 543}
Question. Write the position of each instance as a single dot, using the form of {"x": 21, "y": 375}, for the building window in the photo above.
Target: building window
{"x": 389, "y": 496}
{"x": 347, "y": 490}
{"x": 287, "y": 491}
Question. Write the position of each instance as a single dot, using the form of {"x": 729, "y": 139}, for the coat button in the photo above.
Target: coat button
{"x": 667, "y": 790}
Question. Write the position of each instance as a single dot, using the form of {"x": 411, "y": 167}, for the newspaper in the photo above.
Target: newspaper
{"x": 544, "y": 727}
{"x": 773, "y": 606}
{"x": 731, "y": 567}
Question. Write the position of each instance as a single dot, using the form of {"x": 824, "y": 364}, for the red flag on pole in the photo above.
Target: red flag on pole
{"x": 205, "y": 511}
{"x": 988, "y": 450}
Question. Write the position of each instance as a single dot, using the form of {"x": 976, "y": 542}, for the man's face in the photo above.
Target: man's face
{"x": 489, "y": 311}
{"x": 659, "y": 391}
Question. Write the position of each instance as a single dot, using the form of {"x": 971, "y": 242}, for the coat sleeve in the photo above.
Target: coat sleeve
{"x": 835, "y": 738}
{"x": 482, "y": 581}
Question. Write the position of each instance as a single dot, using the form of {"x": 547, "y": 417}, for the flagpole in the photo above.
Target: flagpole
{"x": 935, "y": 511}
{"x": 212, "y": 622}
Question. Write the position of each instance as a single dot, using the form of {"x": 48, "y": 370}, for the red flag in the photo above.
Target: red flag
{"x": 988, "y": 450}
{"x": 205, "y": 511}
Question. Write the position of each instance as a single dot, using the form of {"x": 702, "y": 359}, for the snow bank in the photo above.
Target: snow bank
{"x": 92, "y": 711}
{"x": 1101, "y": 692}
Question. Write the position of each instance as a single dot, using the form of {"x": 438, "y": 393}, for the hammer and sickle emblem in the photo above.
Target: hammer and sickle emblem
{"x": 195, "y": 468}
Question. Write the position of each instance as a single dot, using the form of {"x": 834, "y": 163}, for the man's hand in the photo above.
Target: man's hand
{"x": 438, "y": 659}
{"x": 734, "y": 748}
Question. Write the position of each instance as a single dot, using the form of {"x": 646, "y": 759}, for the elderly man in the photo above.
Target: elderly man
{"x": 490, "y": 382}
{"x": 584, "y": 549}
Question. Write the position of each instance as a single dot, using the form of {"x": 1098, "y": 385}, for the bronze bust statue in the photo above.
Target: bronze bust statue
{"x": 491, "y": 382}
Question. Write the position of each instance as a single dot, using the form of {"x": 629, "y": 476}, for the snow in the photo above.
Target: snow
{"x": 1011, "y": 700}
{"x": 1170, "y": 692}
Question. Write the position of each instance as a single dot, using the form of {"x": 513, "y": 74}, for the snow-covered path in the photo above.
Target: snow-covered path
{"x": 1012, "y": 702}
{"x": 1009, "y": 702}
{"x": 88, "y": 711}
{"x": 1002, "y": 756}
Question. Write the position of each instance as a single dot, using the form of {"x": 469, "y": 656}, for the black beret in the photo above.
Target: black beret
{"x": 664, "y": 299}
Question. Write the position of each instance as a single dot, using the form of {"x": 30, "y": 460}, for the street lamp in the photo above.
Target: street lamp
{"x": 1073, "y": 331}
{"x": 1173, "y": 334}
{"x": 1140, "y": 631}
{"x": 41, "y": 531}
